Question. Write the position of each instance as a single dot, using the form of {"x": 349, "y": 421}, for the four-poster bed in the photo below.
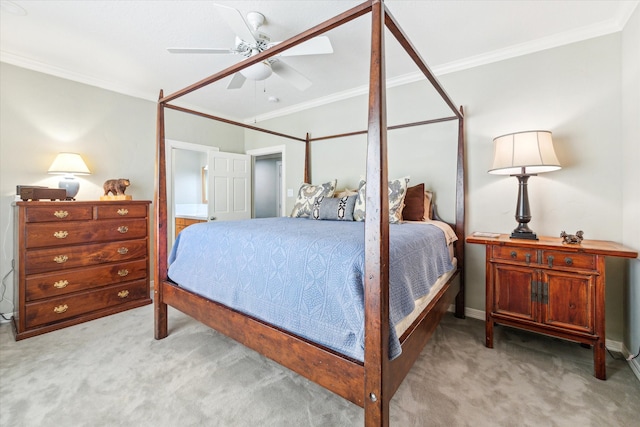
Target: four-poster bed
{"x": 372, "y": 381}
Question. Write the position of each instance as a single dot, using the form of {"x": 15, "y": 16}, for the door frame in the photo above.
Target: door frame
{"x": 275, "y": 149}
{"x": 170, "y": 145}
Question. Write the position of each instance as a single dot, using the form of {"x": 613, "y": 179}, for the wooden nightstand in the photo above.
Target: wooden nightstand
{"x": 549, "y": 287}
{"x": 78, "y": 261}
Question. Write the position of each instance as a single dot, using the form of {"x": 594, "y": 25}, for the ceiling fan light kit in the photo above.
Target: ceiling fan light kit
{"x": 259, "y": 71}
{"x": 250, "y": 42}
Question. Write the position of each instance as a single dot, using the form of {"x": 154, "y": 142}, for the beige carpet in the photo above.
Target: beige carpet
{"x": 111, "y": 372}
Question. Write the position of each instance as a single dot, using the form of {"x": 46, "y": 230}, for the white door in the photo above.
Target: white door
{"x": 230, "y": 186}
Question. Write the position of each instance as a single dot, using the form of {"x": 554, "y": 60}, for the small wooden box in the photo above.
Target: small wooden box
{"x": 37, "y": 193}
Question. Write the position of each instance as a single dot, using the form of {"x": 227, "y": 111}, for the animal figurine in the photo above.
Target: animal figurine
{"x": 572, "y": 238}
{"x": 115, "y": 186}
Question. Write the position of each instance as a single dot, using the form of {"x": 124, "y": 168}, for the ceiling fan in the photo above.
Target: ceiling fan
{"x": 250, "y": 41}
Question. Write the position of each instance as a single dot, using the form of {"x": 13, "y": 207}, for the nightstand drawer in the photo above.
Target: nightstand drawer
{"x": 44, "y": 260}
{"x": 58, "y": 213}
{"x": 122, "y": 210}
{"x": 558, "y": 259}
{"x": 65, "y": 307}
{"x": 68, "y": 281}
{"x": 520, "y": 255}
{"x": 47, "y": 234}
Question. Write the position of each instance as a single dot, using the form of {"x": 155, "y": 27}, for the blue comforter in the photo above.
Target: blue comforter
{"x": 306, "y": 276}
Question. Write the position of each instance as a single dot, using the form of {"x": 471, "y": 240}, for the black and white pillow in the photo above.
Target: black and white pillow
{"x": 334, "y": 208}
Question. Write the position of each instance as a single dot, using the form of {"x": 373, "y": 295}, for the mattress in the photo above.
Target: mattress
{"x": 307, "y": 276}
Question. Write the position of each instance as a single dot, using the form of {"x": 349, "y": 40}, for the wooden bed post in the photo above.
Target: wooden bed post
{"x": 160, "y": 308}
{"x": 307, "y": 160}
{"x": 460, "y": 213}
{"x": 376, "y": 359}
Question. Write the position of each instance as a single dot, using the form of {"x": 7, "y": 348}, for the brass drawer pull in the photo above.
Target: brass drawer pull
{"x": 61, "y": 308}
{"x": 123, "y": 211}
{"x": 568, "y": 261}
{"x": 123, "y": 229}
{"x": 61, "y": 259}
{"x": 123, "y": 294}
{"x": 60, "y": 234}
{"x": 527, "y": 257}
{"x": 61, "y": 284}
{"x": 550, "y": 261}
{"x": 514, "y": 254}
{"x": 123, "y": 251}
{"x": 124, "y": 272}
{"x": 61, "y": 214}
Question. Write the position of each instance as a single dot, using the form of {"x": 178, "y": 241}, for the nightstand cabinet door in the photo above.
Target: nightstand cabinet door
{"x": 78, "y": 261}
{"x": 569, "y": 301}
{"x": 513, "y": 288}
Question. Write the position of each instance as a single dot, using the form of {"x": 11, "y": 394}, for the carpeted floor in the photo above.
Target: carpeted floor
{"x": 111, "y": 372}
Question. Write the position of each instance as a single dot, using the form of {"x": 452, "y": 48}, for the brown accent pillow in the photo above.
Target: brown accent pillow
{"x": 414, "y": 204}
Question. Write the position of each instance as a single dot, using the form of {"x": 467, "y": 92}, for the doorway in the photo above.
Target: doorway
{"x": 268, "y": 181}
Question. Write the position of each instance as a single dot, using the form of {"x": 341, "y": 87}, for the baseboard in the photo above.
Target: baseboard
{"x": 634, "y": 363}
{"x": 635, "y": 367}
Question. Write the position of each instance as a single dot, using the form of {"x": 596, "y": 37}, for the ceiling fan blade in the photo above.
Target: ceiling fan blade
{"x": 292, "y": 76}
{"x": 199, "y": 50}
{"x": 315, "y": 46}
{"x": 236, "y": 22}
{"x": 237, "y": 81}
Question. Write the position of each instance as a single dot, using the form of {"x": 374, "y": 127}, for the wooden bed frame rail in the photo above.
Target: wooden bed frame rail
{"x": 370, "y": 384}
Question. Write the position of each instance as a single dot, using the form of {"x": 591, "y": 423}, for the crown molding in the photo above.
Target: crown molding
{"x": 579, "y": 34}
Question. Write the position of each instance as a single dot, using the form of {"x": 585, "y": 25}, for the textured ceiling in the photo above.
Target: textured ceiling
{"x": 121, "y": 45}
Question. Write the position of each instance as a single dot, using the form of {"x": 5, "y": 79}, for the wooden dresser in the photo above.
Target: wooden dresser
{"x": 183, "y": 222}
{"x": 549, "y": 287}
{"x": 78, "y": 261}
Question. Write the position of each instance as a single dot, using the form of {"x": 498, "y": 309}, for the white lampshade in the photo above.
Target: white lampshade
{"x": 70, "y": 164}
{"x": 529, "y": 152}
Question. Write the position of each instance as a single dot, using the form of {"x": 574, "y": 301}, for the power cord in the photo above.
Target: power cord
{"x": 631, "y": 356}
{"x": 3, "y": 289}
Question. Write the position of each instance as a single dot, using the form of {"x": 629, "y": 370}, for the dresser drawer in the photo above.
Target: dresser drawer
{"x": 521, "y": 255}
{"x": 560, "y": 259}
{"x": 65, "y": 307}
{"x": 122, "y": 210}
{"x": 74, "y": 280}
{"x": 70, "y": 233}
{"x": 44, "y": 260}
{"x": 58, "y": 213}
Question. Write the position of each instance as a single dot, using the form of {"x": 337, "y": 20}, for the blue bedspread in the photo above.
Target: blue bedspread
{"x": 306, "y": 276}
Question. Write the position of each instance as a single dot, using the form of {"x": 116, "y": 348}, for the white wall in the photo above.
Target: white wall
{"x": 630, "y": 163}
{"x": 42, "y": 115}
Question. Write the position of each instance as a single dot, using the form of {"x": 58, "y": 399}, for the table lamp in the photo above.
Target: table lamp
{"x": 524, "y": 154}
{"x": 69, "y": 164}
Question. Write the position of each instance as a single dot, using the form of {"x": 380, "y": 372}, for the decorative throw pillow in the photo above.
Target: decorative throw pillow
{"x": 346, "y": 192}
{"x": 397, "y": 193}
{"x": 307, "y": 196}
{"x": 334, "y": 208}
{"x": 414, "y": 204}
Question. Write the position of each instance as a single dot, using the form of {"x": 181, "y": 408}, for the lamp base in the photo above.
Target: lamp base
{"x": 529, "y": 235}
{"x": 71, "y": 186}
